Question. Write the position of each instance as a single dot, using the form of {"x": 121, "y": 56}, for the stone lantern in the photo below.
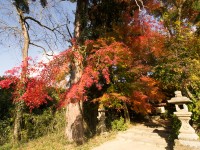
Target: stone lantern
{"x": 186, "y": 130}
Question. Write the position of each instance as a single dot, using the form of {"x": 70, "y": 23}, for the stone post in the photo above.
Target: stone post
{"x": 101, "y": 127}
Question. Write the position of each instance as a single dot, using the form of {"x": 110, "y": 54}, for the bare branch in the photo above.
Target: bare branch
{"x": 50, "y": 29}
{"x": 142, "y": 3}
{"x": 69, "y": 32}
{"x": 28, "y": 27}
{"x": 136, "y": 1}
{"x": 39, "y": 23}
{"x": 41, "y": 48}
{"x": 137, "y": 5}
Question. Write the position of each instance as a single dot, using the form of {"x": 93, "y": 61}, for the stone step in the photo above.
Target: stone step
{"x": 148, "y": 136}
{"x": 192, "y": 144}
{"x": 162, "y": 132}
{"x": 143, "y": 134}
{"x": 140, "y": 137}
{"x": 127, "y": 144}
{"x": 148, "y": 127}
{"x": 147, "y": 140}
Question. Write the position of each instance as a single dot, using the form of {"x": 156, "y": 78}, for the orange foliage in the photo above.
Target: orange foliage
{"x": 140, "y": 103}
{"x": 112, "y": 100}
{"x": 152, "y": 89}
{"x": 147, "y": 94}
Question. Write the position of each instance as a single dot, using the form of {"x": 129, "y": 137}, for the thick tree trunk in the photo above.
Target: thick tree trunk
{"x": 75, "y": 130}
{"x": 74, "y": 113}
{"x": 80, "y": 20}
{"x": 19, "y": 106}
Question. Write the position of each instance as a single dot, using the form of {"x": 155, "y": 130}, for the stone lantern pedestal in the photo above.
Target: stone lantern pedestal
{"x": 186, "y": 130}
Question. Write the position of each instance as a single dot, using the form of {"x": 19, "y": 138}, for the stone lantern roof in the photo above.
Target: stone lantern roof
{"x": 179, "y": 99}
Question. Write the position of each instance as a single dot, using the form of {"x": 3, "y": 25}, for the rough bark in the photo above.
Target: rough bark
{"x": 74, "y": 129}
{"x": 80, "y": 20}
{"x": 17, "y": 123}
{"x": 19, "y": 106}
{"x": 74, "y": 113}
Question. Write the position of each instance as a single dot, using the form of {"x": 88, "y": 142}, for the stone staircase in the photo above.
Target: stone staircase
{"x": 152, "y": 135}
{"x": 146, "y": 136}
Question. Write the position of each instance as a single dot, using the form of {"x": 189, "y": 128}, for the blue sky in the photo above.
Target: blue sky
{"x": 8, "y": 59}
{"x": 10, "y": 45}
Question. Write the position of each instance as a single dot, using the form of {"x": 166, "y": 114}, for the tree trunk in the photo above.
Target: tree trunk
{"x": 19, "y": 106}
{"x": 80, "y": 20}
{"x": 74, "y": 113}
{"x": 179, "y": 5}
{"x": 126, "y": 114}
{"x": 17, "y": 123}
{"x": 75, "y": 130}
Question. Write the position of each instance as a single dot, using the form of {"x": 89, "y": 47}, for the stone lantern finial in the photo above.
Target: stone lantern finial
{"x": 178, "y": 94}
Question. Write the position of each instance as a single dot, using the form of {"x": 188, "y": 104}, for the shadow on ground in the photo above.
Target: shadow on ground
{"x": 164, "y": 130}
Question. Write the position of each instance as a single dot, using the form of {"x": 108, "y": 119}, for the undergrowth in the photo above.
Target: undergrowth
{"x": 175, "y": 124}
{"x": 57, "y": 141}
{"x": 119, "y": 124}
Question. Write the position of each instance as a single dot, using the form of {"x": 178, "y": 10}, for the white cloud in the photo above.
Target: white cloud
{"x": 45, "y": 58}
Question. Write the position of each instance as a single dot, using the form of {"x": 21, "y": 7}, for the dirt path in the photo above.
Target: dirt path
{"x": 140, "y": 137}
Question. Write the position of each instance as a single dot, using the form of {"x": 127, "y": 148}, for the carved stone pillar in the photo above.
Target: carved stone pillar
{"x": 101, "y": 127}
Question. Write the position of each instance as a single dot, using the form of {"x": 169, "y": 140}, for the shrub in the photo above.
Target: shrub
{"x": 119, "y": 124}
{"x": 176, "y": 124}
{"x": 5, "y": 131}
{"x": 6, "y": 115}
{"x": 36, "y": 125}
